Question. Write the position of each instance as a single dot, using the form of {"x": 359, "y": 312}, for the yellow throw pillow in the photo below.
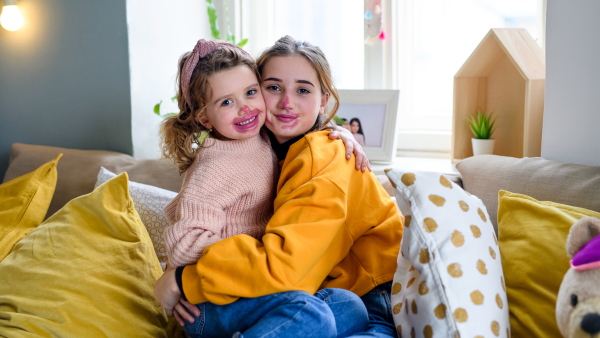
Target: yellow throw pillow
{"x": 24, "y": 202}
{"x": 532, "y": 237}
{"x": 87, "y": 271}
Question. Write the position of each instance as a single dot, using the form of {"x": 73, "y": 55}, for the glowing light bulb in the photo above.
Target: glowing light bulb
{"x": 11, "y": 17}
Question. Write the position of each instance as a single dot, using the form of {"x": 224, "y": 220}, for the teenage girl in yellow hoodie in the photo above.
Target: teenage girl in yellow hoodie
{"x": 333, "y": 226}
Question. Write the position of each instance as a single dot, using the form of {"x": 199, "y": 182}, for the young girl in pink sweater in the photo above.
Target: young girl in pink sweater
{"x": 228, "y": 190}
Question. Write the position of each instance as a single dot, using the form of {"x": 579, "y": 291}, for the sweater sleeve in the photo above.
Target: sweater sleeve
{"x": 196, "y": 216}
{"x": 304, "y": 240}
{"x": 197, "y": 227}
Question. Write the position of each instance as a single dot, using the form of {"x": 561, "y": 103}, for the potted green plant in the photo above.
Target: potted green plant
{"x": 482, "y": 128}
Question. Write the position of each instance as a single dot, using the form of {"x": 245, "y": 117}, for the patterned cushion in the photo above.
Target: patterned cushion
{"x": 449, "y": 280}
{"x": 149, "y": 202}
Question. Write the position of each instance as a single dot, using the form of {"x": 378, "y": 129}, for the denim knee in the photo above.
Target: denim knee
{"x": 349, "y": 311}
{"x": 316, "y": 314}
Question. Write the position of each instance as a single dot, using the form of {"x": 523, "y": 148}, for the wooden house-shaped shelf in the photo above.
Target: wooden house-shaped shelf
{"x": 504, "y": 75}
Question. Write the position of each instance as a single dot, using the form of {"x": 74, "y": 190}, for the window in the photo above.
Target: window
{"x": 333, "y": 25}
{"x": 427, "y": 41}
{"x": 435, "y": 38}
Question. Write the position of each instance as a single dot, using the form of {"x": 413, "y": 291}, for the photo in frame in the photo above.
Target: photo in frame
{"x": 371, "y": 117}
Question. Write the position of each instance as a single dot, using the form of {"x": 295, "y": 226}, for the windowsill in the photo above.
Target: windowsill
{"x": 440, "y": 165}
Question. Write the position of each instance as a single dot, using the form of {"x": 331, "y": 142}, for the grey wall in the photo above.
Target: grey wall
{"x": 64, "y": 77}
{"x": 571, "y": 131}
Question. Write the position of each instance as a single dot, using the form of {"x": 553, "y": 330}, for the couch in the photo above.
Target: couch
{"x": 483, "y": 176}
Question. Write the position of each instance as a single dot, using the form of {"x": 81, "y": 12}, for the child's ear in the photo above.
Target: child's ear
{"x": 324, "y": 101}
{"x": 204, "y": 121}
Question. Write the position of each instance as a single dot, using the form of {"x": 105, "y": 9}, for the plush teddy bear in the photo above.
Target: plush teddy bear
{"x": 578, "y": 303}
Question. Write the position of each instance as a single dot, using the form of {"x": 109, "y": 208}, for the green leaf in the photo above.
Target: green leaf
{"x": 483, "y": 126}
{"x": 212, "y": 19}
{"x": 242, "y": 43}
{"x": 338, "y": 120}
{"x": 157, "y": 108}
{"x": 174, "y": 99}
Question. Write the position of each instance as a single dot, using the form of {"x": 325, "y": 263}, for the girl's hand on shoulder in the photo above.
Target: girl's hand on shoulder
{"x": 362, "y": 163}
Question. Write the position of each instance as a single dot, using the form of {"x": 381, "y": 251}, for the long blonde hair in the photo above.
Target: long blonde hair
{"x": 180, "y": 133}
{"x": 288, "y": 46}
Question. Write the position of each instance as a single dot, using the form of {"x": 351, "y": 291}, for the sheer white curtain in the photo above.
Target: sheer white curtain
{"x": 336, "y": 26}
{"x": 427, "y": 41}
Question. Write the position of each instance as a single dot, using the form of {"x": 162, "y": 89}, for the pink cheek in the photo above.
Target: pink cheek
{"x": 267, "y": 120}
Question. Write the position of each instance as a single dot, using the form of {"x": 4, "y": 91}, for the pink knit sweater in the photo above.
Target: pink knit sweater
{"x": 228, "y": 190}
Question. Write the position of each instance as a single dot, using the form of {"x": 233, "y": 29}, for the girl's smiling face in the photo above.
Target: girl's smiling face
{"x": 236, "y": 110}
{"x": 293, "y": 96}
{"x": 354, "y": 127}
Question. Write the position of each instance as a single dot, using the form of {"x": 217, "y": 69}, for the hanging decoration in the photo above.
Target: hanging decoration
{"x": 370, "y": 40}
{"x": 377, "y": 8}
{"x": 381, "y": 35}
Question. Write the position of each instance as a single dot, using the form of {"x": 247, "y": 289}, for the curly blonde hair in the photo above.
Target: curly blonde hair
{"x": 180, "y": 133}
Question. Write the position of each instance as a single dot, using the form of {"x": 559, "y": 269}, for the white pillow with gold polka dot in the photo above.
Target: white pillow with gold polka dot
{"x": 449, "y": 281}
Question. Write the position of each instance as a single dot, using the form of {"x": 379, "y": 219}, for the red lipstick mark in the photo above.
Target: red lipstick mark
{"x": 247, "y": 117}
{"x": 285, "y": 102}
{"x": 292, "y": 125}
{"x": 245, "y": 108}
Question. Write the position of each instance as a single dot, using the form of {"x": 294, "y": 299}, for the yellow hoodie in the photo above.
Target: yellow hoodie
{"x": 333, "y": 227}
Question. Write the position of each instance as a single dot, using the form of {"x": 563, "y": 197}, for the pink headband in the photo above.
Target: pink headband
{"x": 202, "y": 49}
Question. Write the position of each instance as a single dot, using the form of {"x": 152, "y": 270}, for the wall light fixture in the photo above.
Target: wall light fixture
{"x": 11, "y": 18}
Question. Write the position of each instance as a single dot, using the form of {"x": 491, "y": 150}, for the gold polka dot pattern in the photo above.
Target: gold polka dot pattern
{"x": 475, "y": 230}
{"x": 499, "y": 300}
{"x": 477, "y": 297}
{"x": 454, "y": 270}
{"x": 407, "y": 220}
{"x": 448, "y": 263}
{"x": 437, "y": 200}
{"x": 481, "y": 267}
{"x": 408, "y": 179}
{"x": 457, "y": 238}
{"x": 427, "y": 331}
{"x": 492, "y": 253}
{"x": 440, "y": 311}
{"x": 397, "y": 308}
{"x": 496, "y": 328}
{"x": 429, "y": 225}
{"x": 444, "y": 182}
{"x": 424, "y": 256}
{"x": 461, "y": 315}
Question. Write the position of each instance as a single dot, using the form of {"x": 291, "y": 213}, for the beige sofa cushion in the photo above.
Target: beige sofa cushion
{"x": 78, "y": 170}
{"x": 571, "y": 184}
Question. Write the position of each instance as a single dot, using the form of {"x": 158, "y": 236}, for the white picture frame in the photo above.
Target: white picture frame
{"x": 377, "y": 111}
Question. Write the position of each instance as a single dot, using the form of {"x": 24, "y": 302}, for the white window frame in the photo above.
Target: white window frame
{"x": 386, "y": 66}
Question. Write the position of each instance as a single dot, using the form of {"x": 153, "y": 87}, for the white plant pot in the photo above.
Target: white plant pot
{"x": 482, "y": 147}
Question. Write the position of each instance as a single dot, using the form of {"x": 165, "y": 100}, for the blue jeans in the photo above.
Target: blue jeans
{"x": 287, "y": 314}
{"x": 379, "y": 307}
